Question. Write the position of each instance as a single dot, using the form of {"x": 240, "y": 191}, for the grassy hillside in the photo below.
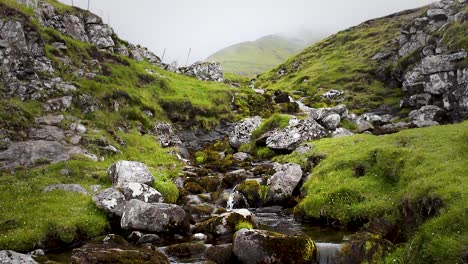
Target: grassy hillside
{"x": 414, "y": 179}
{"x": 254, "y": 57}
{"x": 343, "y": 62}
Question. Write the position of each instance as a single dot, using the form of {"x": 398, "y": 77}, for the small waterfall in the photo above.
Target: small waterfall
{"x": 328, "y": 252}
{"x": 232, "y": 201}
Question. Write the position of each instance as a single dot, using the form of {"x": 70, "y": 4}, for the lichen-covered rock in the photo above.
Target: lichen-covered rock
{"x": 184, "y": 250}
{"x": 123, "y": 172}
{"x": 49, "y": 133}
{"x": 101, "y": 35}
{"x": 11, "y": 257}
{"x": 33, "y": 153}
{"x": 220, "y": 254}
{"x": 111, "y": 201}
{"x": 166, "y": 135}
{"x": 441, "y": 63}
{"x": 226, "y": 223}
{"x": 292, "y": 136}
{"x": 66, "y": 187}
{"x": 341, "y": 132}
{"x": 142, "y": 192}
{"x": 242, "y": 132}
{"x": 283, "y": 182}
{"x": 261, "y": 246}
{"x": 156, "y": 217}
{"x": 332, "y": 121}
{"x": 427, "y": 113}
{"x": 204, "y": 71}
{"x": 365, "y": 247}
{"x": 58, "y": 104}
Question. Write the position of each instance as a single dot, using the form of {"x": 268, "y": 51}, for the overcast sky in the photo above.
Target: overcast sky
{"x": 207, "y": 26}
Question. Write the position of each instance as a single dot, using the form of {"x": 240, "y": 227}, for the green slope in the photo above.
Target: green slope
{"x": 254, "y": 57}
{"x": 342, "y": 62}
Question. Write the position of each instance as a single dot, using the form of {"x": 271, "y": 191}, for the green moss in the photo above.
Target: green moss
{"x": 275, "y": 121}
{"x": 242, "y": 225}
{"x": 254, "y": 192}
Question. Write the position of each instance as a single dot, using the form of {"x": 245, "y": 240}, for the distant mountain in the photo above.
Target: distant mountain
{"x": 255, "y": 57}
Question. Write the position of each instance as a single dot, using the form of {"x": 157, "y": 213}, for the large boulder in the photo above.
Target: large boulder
{"x": 261, "y": 246}
{"x": 427, "y": 113}
{"x": 332, "y": 121}
{"x": 242, "y": 132}
{"x": 156, "y": 217}
{"x": 11, "y": 257}
{"x": 100, "y": 35}
{"x": 32, "y": 153}
{"x": 111, "y": 201}
{"x": 292, "y": 136}
{"x": 226, "y": 223}
{"x": 441, "y": 63}
{"x": 75, "y": 28}
{"x": 204, "y": 71}
{"x": 142, "y": 192}
{"x": 283, "y": 182}
{"x": 124, "y": 172}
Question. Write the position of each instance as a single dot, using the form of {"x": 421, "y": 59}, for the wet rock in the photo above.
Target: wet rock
{"x": 8, "y": 256}
{"x": 341, "y": 132}
{"x": 364, "y": 247}
{"x": 233, "y": 178}
{"x": 32, "y": 153}
{"x": 149, "y": 239}
{"x": 242, "y": 132}
{"x": 204, "y": 71}
{"x": 135, "y": 236}
{"x": 427, "y": 113}
{"x": 124, "y": 172}
{"x": 156, "y": 217}
{"x": 111, "y": 201}
{"x": 292, "y": 136}
{"x": 66, "y": 187}
{"x": 226, "y": 223}
{"x": 283, "y": 182}
{"x": 142, "y": 192}
{"x": 200, "y": 237}
{"x": 260, "y": 246}
{"x": 184, "y": 250}
{"x": 93, "y": 253}
{"x": 220, "y": 254}
{"x": 165, "y": 134}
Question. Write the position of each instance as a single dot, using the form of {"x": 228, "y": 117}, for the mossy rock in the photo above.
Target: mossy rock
{"x": 186, "y": 249}
{"x": 194, "y": 188}
{"x": 222, "y": 165}
{"x": 210, "y": 183}
{"x": 261, "y": 246}
{"x": 365, "y": 247}
{"x": 226, "y": 223}
{"x": 255, "y": 193}
{"x": 206, "y": 156}
{"x": 221, "y": 254}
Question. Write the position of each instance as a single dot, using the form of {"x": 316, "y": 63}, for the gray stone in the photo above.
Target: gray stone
{"x": 101, "y": 36}
{"x": 77, "y": 128}
{"x": 12, "y": 257}
{"x": 49, "y": 120}
{"x": 95, "y": 188}
{"x": 66, "y": 187}
{"x": 32, "y": 153}
{"x": 363, "y": 126}
{"x": 341, "y": 132}
{"x": 74, "y": 27}
{"x": 331, "y": 122}
{"x": 419, "y": 100}
{"x": 37, "y": 253}
{"x": 424, "y": 123}
{"x": 333, "y": 95}
{"x": 149, "y": 239}
{"x": 58, "y": 104}
{"x": 226, "y": 223}
{"x": 303, "y": 149}
{"x": 142, "y": 192}
{"x": 283, "y": 182}
{"x": 157, "y": 217}
{"x": 427, "y": 113}
{"x": 441, "y": 63}
{"x": 111, "y": 201}
{"x": 293, "y": 135}
{"x": 241, "y": 156}
{"x": 242, "y": 132}
{"x": 439, "y": 14}
{"x": 49, "y": 133}
{"x": 123, "y": 172}
{"x": 261, "y": 246}
{"x": 440, "y": 83}
{"x": 166, "y": 135}
{"x": 204, "y": 71}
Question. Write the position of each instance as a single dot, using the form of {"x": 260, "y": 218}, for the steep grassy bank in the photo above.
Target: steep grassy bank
{"x": 415, "y": 179}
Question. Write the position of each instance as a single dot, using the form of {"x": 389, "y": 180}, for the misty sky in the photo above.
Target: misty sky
{"x": 209, "y": 25}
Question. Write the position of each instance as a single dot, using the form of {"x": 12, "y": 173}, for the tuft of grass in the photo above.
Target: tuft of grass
{"x": 275, "y": 121}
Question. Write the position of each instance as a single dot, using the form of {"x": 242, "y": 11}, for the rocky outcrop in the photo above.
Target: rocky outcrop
{"x": 166, "y": 135}
{"x": 283, "y": 182}
{"x": 260, "y": 246}
{"x": 11, "y": 257}
{"x": 33, "y": 153}
{"x": 298, "y": 131}
{"x": 226, "y": 223}
{"x": 242, "y": 132}
{"x": 111, "y": 201}
{"x": 124, "y": 172}
{"x": 157, "y": 217}
{"x": 204, "y": 71}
